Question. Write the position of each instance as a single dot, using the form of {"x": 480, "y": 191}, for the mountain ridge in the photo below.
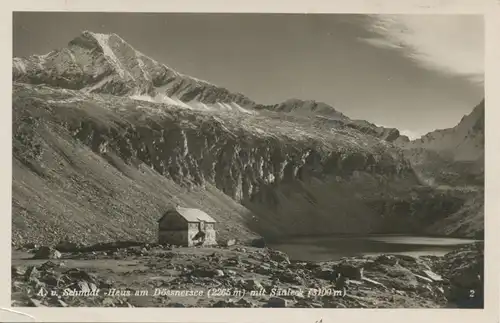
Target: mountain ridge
{"x": 143, "y": 78}
{"x": 452, "y": 156}
{"x": 158, "y": 79}
{"x": 464, "y": 142}
{"x": 102, "y": 63}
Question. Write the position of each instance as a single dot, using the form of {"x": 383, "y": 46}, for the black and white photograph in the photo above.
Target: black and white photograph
{"x": 248, "y": 160}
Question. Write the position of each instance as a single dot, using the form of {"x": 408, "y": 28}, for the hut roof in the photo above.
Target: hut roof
{"x": 191, "y": 215}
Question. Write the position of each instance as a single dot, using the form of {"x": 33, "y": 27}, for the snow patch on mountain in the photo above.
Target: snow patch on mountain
{"x": 20, "y": 65}
{"x": 99, "y": 85}
{"x": 162, "y": 99}
{"x": 103, "y": 41}
{"x": 236, "y": 106}
{"x": 142, "y": 66}
{"x": 69, "y": 100}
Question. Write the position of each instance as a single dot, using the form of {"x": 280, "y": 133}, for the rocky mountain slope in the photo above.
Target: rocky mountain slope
{"x": 453, "y": 156}
{"x": 329, "y": 116}
{"x": 104, "y": 139}
{"x": 462, "y": 143}
{"x": 453, "y": 159}
{"x": 449, "y": 160}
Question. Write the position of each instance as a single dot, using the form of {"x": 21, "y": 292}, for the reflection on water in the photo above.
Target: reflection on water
{"x": 333, "y": 247}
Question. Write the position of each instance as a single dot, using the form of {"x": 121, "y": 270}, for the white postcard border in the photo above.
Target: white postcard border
{"x": 491, "y": 10}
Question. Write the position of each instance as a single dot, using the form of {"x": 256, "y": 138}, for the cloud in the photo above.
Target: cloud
{"x": 452, "y": 44}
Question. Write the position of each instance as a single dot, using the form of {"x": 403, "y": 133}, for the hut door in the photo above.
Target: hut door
{"x": 201, "y": 226}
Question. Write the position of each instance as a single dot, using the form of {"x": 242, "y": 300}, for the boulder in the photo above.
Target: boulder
{"x": 17, "y": 272}
{"x": 424, "y": 279}
{"x": 66, "y": 245}
{"x": 290, "y": 277}
{"x": 341, "y": 282}
{"x": 230, "y": 272}
{"x": 386, "y": 260}
{"x": 435, "y": 277}
{"x": 31, "y": 272}
{"x": 229, "y": 243}
{"x": 206, "y": 272}
{"x": 36, "y": 284}
{"x": 78, "y": 274}
{"x": 401, "y": 279}
{"x": 252, "y": 285}
{"x": 29, "y": 246}
{"x": 279, "y": 257}
{"x": 258, "y": 243}
{"x": 374, "y": 282}
{"x": 16, "y": 286}
{"x": 48, "y": 265}
{"x": 219, "y": 273}
{"x": 50, "y": 278}
{"x": 349, "y": 271}
{"x": 45, "y": 252}
{"x": 108, "y": 302}
{"x": 244, "y": 303}
{"x": 82, "y": 286}
{"x": 263, "y": 269}
{"x": 326, "y": 274}
{"x": 312, "y": 266}
{"x": 233, "y": 261}
{"x": 407, "y": 258}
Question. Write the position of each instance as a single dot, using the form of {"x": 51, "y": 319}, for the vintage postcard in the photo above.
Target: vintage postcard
{"x": 258, "y": 161}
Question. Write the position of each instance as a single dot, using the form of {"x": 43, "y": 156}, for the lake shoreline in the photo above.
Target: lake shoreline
{"x": 350, "y": 235}
{"x": 335, "y": 247}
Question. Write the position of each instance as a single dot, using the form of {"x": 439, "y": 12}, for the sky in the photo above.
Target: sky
{"x": 416, "y": 73}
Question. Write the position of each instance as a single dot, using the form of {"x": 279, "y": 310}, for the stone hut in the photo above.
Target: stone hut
{"x": 186, "y": 227}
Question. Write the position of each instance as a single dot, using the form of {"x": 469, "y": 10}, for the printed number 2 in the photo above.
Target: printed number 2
{"x": 472, "y": 293}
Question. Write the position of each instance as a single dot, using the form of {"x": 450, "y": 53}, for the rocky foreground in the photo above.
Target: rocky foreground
{"x": 147, "y": 275}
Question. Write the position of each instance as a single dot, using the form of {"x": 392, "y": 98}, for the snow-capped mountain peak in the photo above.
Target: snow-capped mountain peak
{"x": 106, "y": 63}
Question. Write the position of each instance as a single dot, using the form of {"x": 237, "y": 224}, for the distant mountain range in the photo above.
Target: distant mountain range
{"x": 453, "y": 156}
{"x": 100, "y": 63}
{"x": 104, "y": 138}
{"x": 464, "y": 142}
